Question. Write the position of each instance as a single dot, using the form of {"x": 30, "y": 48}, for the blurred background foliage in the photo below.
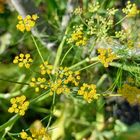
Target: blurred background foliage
{"x": 110, "y": 118}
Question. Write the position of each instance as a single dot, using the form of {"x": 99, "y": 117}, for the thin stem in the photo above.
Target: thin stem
{"x": 37, "y": 48}
{"x": 120, "y": 21}
{"x": 59, "y": 51}
{"x": 79, "y": 63}
{"x": 83, "y": 21}
{"x": 89, "y": 66}
{"x": 110, "y": 95}
{"x": 65, "y": 55}
{"x": 83, "y": 61}
{"x": 40, "y": 97}
{"x": 6, "y": 80}
{"x": 9, "y": 123}
{"x": 50, "y": 118}
{"x": 129, "y": 68}
{"x": 101, "y": 80}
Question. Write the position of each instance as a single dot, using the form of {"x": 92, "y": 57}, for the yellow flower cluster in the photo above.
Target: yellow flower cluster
{"x": 121, "y": 35}
{"x": 77, "y": 37}
{"x": 111, "y": 11}
{"x": 65, "y": 77}
{"x": 131, "y": 10}
{"x": 19, "y": 105}
{"x": 106, "y": 56}
{"x": 78, "y": 11}
{"x": 23, "y": 60}
{"x": 26, "y": 23}
{"x": 58, "y": 87}
{"x": 131, "y": 93}
{"x": 88, "y": 92}
{"x": 93, "y": 7}
{"x": 38, "y": 83}
{"x": 46, "y": 68}
{"x": 38, "y": 132}
{"x": 57, "y": 82}
{"x": 68, "y": 76}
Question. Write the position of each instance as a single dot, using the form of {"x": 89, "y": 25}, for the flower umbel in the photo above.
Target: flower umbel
{"x": 65, "y": 78}
{"x": 78, "y": 11}
{"x": 38, "y": 132}
{"x": 130, "y": 93}
{"x": 38, "y": 83}
{"x": 26, "y": 23}
{"x": 88, "y": 92}
{"x": 23, "y": 60}
{"x": 19, "y": 105}
{"x": 106, "y": 56}
{"x": 131, "y": 10}
{"x": 77, "y": 37}
{"x": 46, "y": 68}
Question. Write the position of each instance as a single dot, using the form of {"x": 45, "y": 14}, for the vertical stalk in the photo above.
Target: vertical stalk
{"x": 37, "y": 48}
{"x": 59, "y": 51}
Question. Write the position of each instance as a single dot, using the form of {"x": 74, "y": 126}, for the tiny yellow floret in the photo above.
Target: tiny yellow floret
{"x": 19, "y": 105}
{"x": 27, "y": 23}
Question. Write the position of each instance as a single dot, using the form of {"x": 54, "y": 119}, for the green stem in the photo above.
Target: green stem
{"x": 59, "y": 51}
{"x": 120, "y": 21}
{"x": 6, "y": 80}
{"x": 89, "y": 66}
{"x": 125, "y": 67}
{"x": 83, "y": 61}
{"x": 101, "y": 80}
{"x": 40, "y": 97}
{"x": 83, "y": 21}
{"x": 9, "y": 123}
{"x": 37, "y": 48}
{"x": 52, "y": 108}
{"x": 100, "y": 114}
{"x": 65, "y": 55}
{"x": 9, "y": 95}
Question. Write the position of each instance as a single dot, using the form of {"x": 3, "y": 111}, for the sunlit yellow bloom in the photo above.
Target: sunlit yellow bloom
{"x": 23, "y": 60}
{"x": 77, "y": 37}
{"x": 78, "y": 11}
{"x": 38, "y": 83}
{"x": 88, "y": 92}
{"x": 130, "y": 93}
{"x": 35, "y": 17}
{"x": 38, "y": 132}
{"x": 131, "y": 9}
{"x": 26, "y": 23}
{"x": 19, "y": 105}
{"x": 23, "y": 135}
{"x": 106, "y": 56}
{"x": 46, "y": 68}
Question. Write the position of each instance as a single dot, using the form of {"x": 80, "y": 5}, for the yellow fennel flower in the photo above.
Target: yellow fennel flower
{"x": 19, "y": 105}
{"x": 46, "y": 68}
{"x": 23, "y": 135}
{"x": 38, "y": 83}
{"x": 131, "y": 10}
{"x": 130, "y": 93}
{"x": 88, "y": 92}
{"x": 23, "y": 60}
{"x": 106, "y": 56}
{"x": 78, "y": 11}
{"x": 77, "y": 37}
{"x": 37, "y": 132}
{"x": 27, "y": 23}
{"x": 65, "y": 78}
